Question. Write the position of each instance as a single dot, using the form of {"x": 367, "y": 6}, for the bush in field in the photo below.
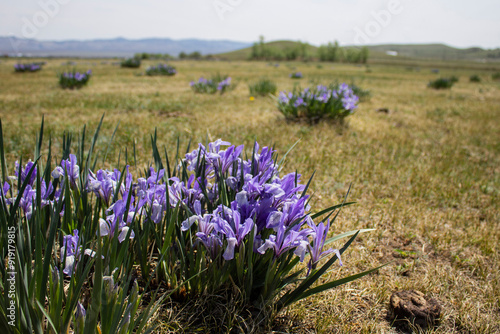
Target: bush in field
{"x": 263, "y": 87}
{"x": 131, "y": 63}
{"x": 333, "y": 102}
{"x": 296, "y": 75}
{"x": 474, "y": 78}
{"x": 216, "y": 219}
{"x": 442, "y": 83}
{"x": 22, "y": 68}
{"x": 74, "y": 79}
{"x": 217, "y": 83}
{"x": 161, "y": 69}
{"x": 496, "y": 76}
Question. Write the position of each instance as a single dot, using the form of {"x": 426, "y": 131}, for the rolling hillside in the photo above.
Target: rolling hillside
{"x": 245, "y": 53}
{"x": 436, "y": 51}
{"x": 409, "y": 51}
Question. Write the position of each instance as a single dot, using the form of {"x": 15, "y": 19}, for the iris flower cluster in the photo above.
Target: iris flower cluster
{"x": 226, "y": 200}
{"x": 161, "y": 69}
{"x": 74, "y": 79}
{"x": 213, "y": 85}
{"x": 335, "y": 102}
{"x": 27, "y": 67}
{"x": 296, "y": 75}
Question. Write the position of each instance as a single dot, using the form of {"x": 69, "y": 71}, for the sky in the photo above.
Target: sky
{"x": 456, "y": 23}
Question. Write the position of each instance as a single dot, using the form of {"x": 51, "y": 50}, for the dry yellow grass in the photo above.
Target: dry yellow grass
{"x": 426, "y": 175}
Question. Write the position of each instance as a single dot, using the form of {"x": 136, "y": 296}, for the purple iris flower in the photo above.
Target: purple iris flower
{"x": 299, "y": 102}
{"x": 107, "y": 227}
{"x": 70, "y": 168}
{"x": 25, "y": 171}
{"x": 283, "y": 98}
{"x": 102, "y": 184}
{"x": 319, "y": 234}
{"x": 283, "y": 241}
{"x": 223, "y": 160}
{"x": 118, "y": 220}
{"x": 80, "y": 315}
{"x": 4, "y": 189}
{"x": 208, "y": 236}
{"x": 349, "y": 102}
{"x": 45, "y": 192}
{"x": 235, "y": 231}
{"x": 72, "y": 248}
{"x": 26, "y": 202}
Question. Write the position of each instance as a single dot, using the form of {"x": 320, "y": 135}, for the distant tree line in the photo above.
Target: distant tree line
{"x": 145, "y": 55}
{"x": 335, "y": 53}
{"x": 192, "y": 55}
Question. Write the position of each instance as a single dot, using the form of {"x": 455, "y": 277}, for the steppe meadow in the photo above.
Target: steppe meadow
{"x": 417, "y": 168}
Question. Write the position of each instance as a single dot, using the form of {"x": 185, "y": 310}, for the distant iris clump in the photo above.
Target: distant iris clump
{"x": 333, "y": 102}
{"x": 74, "y": 79}
{"x": 32, "y": 67}
{"x": 217, "y": 83}
{"x": 161, "y": 69}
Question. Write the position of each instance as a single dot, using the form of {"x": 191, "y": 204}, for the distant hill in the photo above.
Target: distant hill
{"x": 412, "y": 51}
{"x": 436, "y": 51}
{"x": 118, "y": 47}
{"x": 245, "y": 53}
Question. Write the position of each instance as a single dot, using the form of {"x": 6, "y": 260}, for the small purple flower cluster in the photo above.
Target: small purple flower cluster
{"x": 74, "y": 79}
{"x": 77, "y": 75}
{"x": 161, "y": 69}
{"x": 201, "y": 81}
{"x": 224, "y": 83}
{"x": 217, "y": 84}
{"x": 296, "y": 75}
{"x": 334, "y": 101}
{"x": 271, "y": 209}
{"x": 27, "y": 67}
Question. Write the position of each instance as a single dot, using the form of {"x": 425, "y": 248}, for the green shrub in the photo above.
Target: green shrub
{"x": 131, "y": 63}
{"x": 441, "y": 83}
{"x": 474, "y": 78}
{"x": 263, "y": 87}
{"x": 496, "y": 76}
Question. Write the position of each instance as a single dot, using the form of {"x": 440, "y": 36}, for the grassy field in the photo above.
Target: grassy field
{"x": 426, "y": 175}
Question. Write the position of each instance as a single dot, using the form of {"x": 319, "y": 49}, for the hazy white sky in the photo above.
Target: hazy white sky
{"x": 458, "y": 23}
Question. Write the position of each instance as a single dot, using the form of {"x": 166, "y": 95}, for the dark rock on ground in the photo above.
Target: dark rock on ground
{"x": 413, "y": 307}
